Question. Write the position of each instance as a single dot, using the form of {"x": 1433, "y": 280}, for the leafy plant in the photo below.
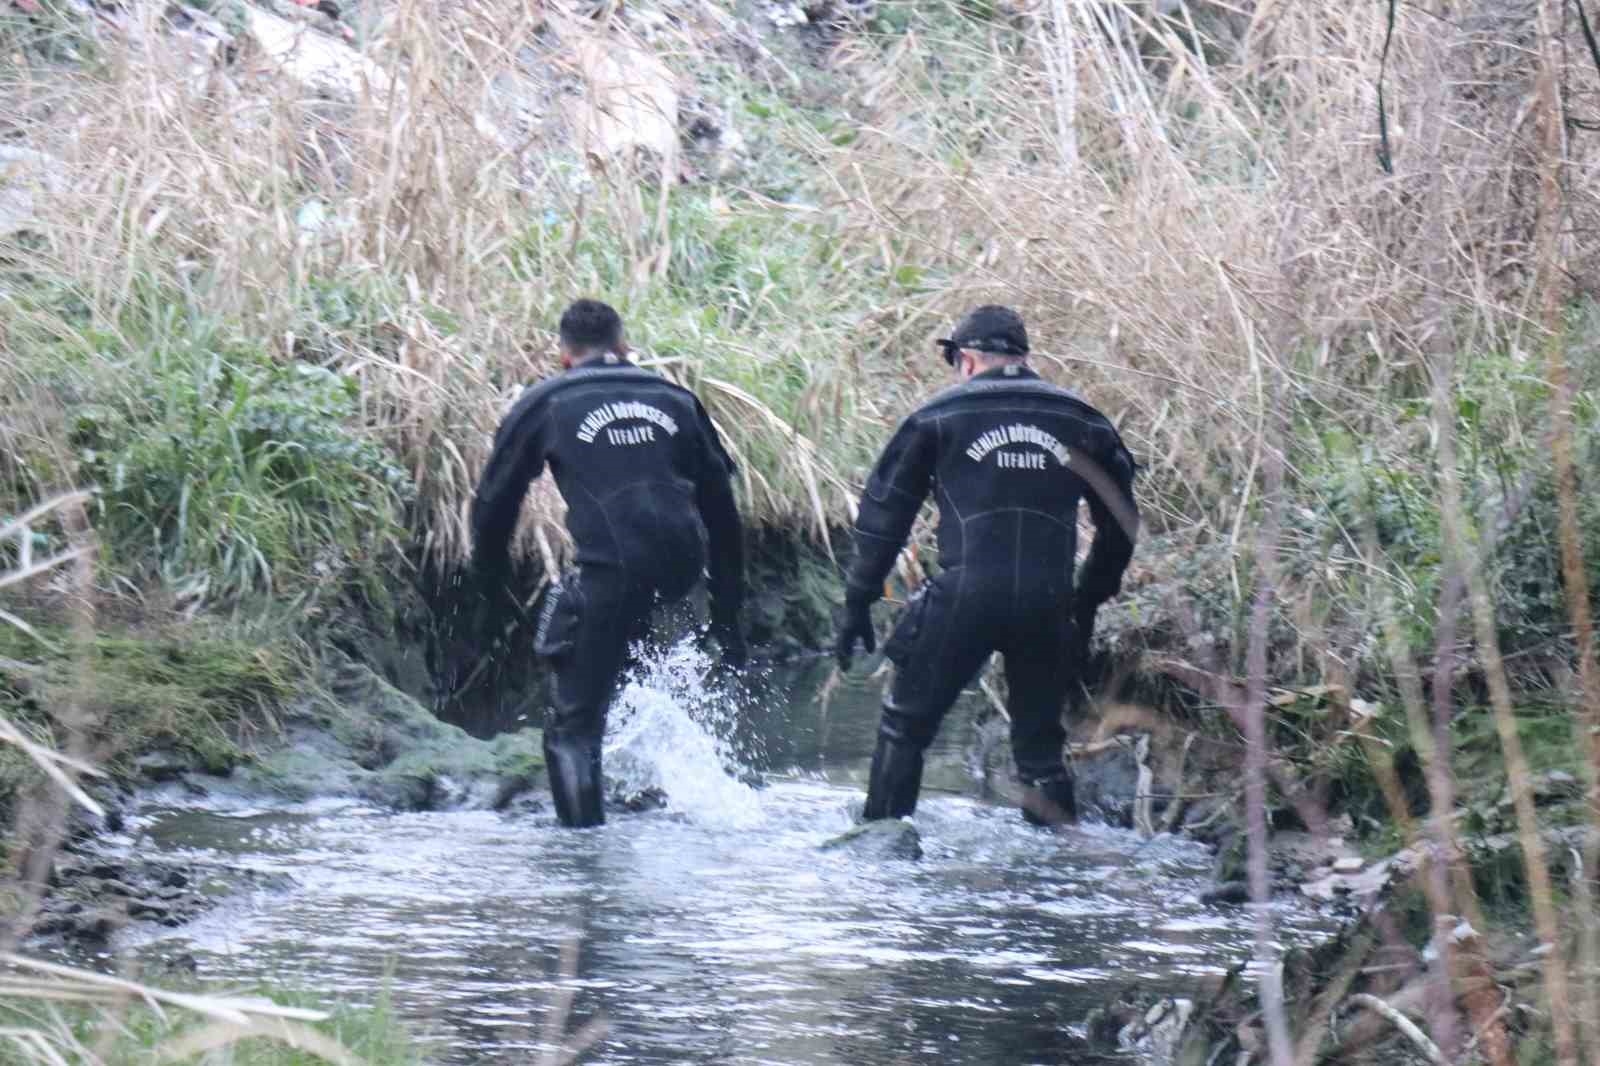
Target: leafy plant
{"x": 227, "y": 473}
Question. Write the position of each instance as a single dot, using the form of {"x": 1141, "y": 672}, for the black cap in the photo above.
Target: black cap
{"x": 990, "y": 328}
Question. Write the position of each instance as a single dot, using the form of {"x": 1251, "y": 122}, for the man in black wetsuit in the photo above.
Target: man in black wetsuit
{"x": 650, "y": 507}
{"x": 1008, "y": 456}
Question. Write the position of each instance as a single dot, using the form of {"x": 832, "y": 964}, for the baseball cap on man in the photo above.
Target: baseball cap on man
{"x": 990, "y": 328}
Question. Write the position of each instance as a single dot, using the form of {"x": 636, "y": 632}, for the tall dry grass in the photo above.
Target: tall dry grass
{"x": 428, "y": 186}
{"x": 1226, "y": 222}
{"x": 1186, "y": 206}
{"x": 193, "y": 178}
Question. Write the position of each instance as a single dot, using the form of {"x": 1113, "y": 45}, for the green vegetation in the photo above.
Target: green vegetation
{"x": 135, "y": 1033}
{"x": 283, "y": 378}
{"x": 195, "y": 692}
{"x": 221, "y": 471}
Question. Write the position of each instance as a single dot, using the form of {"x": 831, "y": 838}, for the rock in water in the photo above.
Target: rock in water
{"x": 1158, "y": 1037}
{"x": 1105, "y": 775}
{"x": 887, "y": 838}
{"x": 318, "y": 62}
{"x": 384, "y": 747}
{"x": 630, "y": 100}
{"x": 1107, "y": 782}
{"x": 1227, "y": 892}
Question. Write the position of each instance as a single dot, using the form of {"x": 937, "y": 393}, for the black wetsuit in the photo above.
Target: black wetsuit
{"x": 650, "y": 507}
{"x": 1008, "y": 457}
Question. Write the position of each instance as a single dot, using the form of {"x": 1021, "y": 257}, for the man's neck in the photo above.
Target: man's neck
{"x": 607, "y": 358}
{"x": 1003, "y": 369}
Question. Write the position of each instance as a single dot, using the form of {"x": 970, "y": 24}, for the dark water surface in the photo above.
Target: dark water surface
{"x": 714, "y": 931}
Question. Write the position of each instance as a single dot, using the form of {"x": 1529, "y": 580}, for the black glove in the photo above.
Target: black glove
{"x": 475, "y": 612}
{"x": 1083, "y": 613}
{"x": 730, "y": 642}
{"x": 458, "y": 616}
{"x": 855, "y": 624}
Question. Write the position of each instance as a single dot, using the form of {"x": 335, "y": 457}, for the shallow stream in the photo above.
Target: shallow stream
{"x": 713, "y": 930}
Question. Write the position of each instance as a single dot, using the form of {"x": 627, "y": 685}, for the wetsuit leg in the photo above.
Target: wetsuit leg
{"x": 937, "y": 647}
{"x": 1037, "y": 679}
{"x": 585, "y": 633}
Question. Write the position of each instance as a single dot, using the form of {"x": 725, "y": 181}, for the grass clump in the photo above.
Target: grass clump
{"x": 419, "y": 263}
{"x": 221, "y": 471}
{"x": 135, "y": 1032}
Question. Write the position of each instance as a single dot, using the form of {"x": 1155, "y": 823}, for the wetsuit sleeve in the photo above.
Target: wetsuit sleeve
{"x": 719, "y": 512}
{"x": 1116, "y": 524}
{"x": 517, "y": 458}
{"x": 894, "y": 493}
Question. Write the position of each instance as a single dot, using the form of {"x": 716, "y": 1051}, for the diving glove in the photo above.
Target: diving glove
{"x": 855, "y": 624}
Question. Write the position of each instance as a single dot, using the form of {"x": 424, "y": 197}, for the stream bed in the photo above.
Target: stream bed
{"x": 714, "y": 930}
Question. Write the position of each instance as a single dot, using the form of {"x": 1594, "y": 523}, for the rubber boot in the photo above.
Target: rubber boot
{"x": 1051, "y": 802}
{"x": 895, "y": 780}
{"x": 573, "y": 764}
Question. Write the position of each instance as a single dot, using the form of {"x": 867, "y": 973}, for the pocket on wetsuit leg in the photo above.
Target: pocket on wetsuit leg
{"x": 908, "y": 628}
{"x": 559, "y": 619}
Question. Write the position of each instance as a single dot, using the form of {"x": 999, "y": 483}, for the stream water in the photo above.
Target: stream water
{"x": 713, "y": 930}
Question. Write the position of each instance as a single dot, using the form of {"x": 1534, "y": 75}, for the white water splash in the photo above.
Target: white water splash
{"x": 670, "y": 730}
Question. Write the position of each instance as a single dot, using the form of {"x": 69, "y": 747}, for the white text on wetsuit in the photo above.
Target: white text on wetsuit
{"x": 1018, "y": 433}
{"x": 626, "y": 410}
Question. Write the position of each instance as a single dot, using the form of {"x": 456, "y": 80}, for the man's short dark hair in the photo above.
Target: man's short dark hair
{"x": 589, "y": 325}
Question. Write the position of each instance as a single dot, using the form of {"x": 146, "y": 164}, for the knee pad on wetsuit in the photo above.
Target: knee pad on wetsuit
{"x": 580, "y": 682}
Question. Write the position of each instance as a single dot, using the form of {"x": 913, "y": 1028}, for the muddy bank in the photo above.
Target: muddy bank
{"x": 93, "y": 896}
{"x": 358, "y": 738}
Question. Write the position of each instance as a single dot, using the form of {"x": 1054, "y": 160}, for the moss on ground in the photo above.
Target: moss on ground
{"x": 251, "y": 715}
{"x": 196, "y": 689}
{"x": 359, "y": 735}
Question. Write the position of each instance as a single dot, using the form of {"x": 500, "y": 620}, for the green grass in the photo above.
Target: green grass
{"x": 194, "y": 688}
{"x": 136, "y": 1034}
{"x": 219, "y": 469}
